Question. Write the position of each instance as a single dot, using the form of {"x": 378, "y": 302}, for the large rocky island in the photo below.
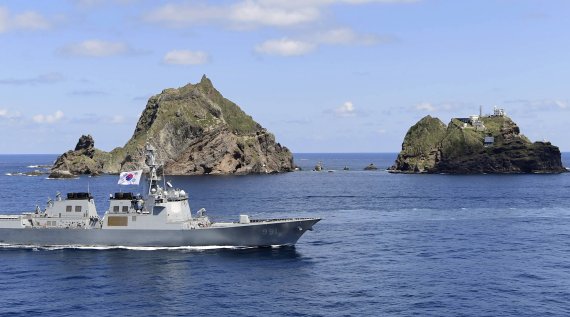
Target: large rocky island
{"x": 476, "y": 145}
{"x": 196, "y": 131}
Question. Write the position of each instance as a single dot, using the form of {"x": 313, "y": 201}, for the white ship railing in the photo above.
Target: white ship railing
{"x": 9, "y": 217}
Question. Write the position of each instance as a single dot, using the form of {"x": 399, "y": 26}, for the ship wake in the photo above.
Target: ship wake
{"x": 102, "y": 248}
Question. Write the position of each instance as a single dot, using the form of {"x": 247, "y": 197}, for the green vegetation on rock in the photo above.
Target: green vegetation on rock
{"x": 459, "y": 147}
{"x": 196, "y": 131}
{"x": 420, "y": 146}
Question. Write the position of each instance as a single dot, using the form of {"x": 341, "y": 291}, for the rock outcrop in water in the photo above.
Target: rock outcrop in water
{"x": 85, "y": 159}
{"x": 490, "y": 144}
{"x": 196, "y": 131}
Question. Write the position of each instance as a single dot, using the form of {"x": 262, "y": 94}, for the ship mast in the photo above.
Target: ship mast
{"x": 153, "y": 165}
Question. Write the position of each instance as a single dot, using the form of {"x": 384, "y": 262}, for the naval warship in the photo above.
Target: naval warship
{"x": 161, "y": 218}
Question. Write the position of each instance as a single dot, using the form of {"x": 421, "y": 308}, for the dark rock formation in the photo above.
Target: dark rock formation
{"x": 461, "y": 148}
{"x": 370, "y": 167}
{"x": 85, "y": 143}
{"x": 195, "y": 130}
{"x": 85, "y": 159}
{"x": 319, "y": 167}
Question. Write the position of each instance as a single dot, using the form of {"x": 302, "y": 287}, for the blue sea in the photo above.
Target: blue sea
{"x": 388, "y": 245}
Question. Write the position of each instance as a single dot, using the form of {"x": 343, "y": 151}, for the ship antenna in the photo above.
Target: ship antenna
{"x": 163, "y": 178}
{"x": 151, "y": 163}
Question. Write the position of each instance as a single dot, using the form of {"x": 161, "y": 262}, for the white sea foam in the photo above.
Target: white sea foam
{"x": 21, "y": 174}
{"x": 94, "y": 247}
{"x": 39, "y": 166}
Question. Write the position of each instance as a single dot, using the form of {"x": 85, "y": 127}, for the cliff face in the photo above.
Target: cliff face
{"x": 459, "y": 148}
{"x": 196, "y": 131}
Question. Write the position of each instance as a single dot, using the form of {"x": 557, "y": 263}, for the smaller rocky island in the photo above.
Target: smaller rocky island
{"x": 85, "y": 159}
{"x": 371, "y": 167}
{"x": 480, "y": 144}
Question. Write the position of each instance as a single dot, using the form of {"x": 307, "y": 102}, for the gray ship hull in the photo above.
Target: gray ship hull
{"x": 285, "y": 232}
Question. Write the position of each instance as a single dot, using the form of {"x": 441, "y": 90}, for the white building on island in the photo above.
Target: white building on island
{"x": 499, "y": 112}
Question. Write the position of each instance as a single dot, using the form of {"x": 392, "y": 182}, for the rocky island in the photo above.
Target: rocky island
{"x": 196, "y": 131}
{"x": 479, "y": 144}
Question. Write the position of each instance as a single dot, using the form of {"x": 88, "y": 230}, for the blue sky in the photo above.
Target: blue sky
{"x": 322, "y": 75}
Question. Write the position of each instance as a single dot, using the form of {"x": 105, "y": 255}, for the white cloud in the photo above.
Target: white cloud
{"x": 376, "y": 1}
{"x": 244, "y": 14}
{"x": 323, "y": 3}
{"x": 456, "y": 107}
{"x": 178, "y": 15}
{"x": 309, "y": 43}
{"x": 184, "y": 57}
{"x": 86, "y": 4}
{"x": 48, "y": 118}
{"x": 250, "y": 13}
{"x": 285, "y": 47}
{"x": 347, "y": 36}
{"x": 6, "y": 114}
{"x": 346, "y": 110}
{"x": 426, "y": 106}
{"x": 28, "y": 21}
{"x": 96, "y": 48}
{"x": 257, "y": 13}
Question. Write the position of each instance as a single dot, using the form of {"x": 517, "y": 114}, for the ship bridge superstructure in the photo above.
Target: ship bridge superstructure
{"x": 164, "y": 208}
